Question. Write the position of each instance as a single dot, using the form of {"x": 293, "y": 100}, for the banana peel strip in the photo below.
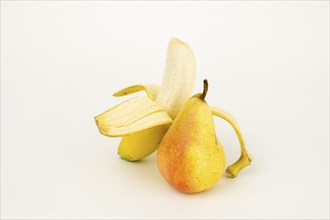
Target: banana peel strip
{"x": 129, "y": 110}
{"x": 244, "y": 159}
{"x": 131, "y": 116}
{"x": 150, "y": 89}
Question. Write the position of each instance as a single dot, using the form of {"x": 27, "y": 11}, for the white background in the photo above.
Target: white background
{"x": 267, "y": 63}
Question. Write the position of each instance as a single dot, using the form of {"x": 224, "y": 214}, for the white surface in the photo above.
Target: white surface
{"x": 266, "y": 62}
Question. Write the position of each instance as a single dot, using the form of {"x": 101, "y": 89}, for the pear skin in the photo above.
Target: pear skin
{"x": 190, "y": 157}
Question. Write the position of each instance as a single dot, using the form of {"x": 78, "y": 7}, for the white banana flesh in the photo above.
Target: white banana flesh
{"x": 179, "y": 78}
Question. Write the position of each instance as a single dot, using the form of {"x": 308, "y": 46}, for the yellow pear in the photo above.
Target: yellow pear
{"x": 190, "y": 157}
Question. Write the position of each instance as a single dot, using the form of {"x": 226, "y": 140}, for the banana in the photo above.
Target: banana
{"x": 143, "y": 121}
{"x": 244, "y": 159}
{"x": 176, "y": 88}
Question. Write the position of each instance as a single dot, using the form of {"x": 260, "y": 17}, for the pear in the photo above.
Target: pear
{"x": 190, "y": 157}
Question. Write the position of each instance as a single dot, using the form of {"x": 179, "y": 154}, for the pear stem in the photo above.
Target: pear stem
{"x": 206, "y": 87}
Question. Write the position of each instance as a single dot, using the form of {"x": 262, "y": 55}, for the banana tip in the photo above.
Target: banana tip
{"x": 175, "y": 40}
{"x": 229, "y": 174}
{"x": 96, "y": 120}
